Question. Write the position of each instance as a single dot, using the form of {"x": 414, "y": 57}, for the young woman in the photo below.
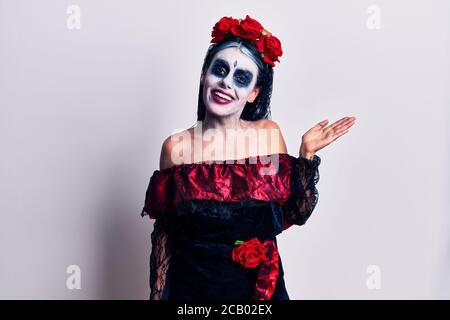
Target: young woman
{"x": 227, "y": 186}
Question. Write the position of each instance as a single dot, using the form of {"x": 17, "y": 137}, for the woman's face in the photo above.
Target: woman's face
{"x": 229, "y": 82}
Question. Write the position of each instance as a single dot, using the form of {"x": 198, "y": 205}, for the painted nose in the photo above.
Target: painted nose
{"x": 226, "y": 82}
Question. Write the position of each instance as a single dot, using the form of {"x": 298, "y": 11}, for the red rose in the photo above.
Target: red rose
{"x": 274, "y": 46}
{"x": 259, "y": 43}
{"x": 267, "y": 45}
{"x": 269, "y": 61}
{"x": 248, "y": 28}
{"x": 222, "y": 27}
{"x": 272, "y": 49}
{"x": 250, "y": 253}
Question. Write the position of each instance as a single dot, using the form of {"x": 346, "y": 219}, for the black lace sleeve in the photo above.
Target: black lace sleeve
{"x": 158, "y": 207}
{"x": 160, "y": 260}
{"x": 304, "y": 195}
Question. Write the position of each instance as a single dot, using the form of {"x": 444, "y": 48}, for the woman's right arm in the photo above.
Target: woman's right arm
{"x": 161, "y": 246}
{"x": 160, "y": 261}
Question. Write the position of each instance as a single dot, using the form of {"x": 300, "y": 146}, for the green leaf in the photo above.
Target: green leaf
{"x": 238, "y": 242}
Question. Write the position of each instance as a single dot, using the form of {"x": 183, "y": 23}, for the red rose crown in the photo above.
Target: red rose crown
{"x": 267, "y": 44}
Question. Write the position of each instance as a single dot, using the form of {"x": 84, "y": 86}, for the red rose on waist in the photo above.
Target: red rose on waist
{"x": 250, "y": 253}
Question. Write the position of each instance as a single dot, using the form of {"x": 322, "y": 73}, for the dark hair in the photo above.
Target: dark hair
{"x": 260, "y": 107}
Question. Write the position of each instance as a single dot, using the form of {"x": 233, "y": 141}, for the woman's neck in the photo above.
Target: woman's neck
{"x": 222, "y": 124}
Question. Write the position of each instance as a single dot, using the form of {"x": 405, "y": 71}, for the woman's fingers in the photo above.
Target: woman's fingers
{"x": 335, "y": 124}
{"x": 332, "y": 132}
{"x": 343, "y": 129}
{"x": 333, "y": 135}
{"x": 338, "y": 134}
{"x": 343, "y": 123}
{"x": 321, "y": 124}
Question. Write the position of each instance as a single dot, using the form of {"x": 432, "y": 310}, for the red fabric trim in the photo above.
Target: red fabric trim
{"x": 158, "y": 199}
{"x": 266, "y": 279}
{"x": 252, "y": 178}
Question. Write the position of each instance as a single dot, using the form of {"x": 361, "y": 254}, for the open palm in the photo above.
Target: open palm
{"x": 320, "y": 136}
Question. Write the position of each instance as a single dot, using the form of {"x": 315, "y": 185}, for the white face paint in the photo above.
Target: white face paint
{"x": 229, "y": 82}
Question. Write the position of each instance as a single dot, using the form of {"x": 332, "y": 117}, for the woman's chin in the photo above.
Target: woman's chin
{"x": 220, "y": 109}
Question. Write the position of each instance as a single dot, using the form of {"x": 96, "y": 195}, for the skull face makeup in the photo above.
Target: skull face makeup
{"x": 229, "y": 82}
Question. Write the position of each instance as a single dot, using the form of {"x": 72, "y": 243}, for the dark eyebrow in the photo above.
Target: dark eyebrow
{"x": 219, "y": 60}
{"x": 247, "y": 73}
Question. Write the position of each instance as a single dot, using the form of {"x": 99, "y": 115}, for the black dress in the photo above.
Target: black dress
{"x": 214, "y": 236}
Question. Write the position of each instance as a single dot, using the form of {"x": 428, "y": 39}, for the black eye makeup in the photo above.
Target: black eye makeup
{"x": 220, "y": 68}
{"x": 242, "y": 78}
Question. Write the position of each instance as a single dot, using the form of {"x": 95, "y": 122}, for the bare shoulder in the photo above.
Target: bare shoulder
{"x": 165, "y": 160}
{"x": 279, "y": 145}
{"x": 267, "y": 124}
{"x": 170, "y": 147}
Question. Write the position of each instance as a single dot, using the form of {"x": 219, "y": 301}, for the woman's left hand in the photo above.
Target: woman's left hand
{"x": 318, "y": 136}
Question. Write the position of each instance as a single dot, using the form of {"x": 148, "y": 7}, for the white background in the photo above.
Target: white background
{"x": 83, "y": 114}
